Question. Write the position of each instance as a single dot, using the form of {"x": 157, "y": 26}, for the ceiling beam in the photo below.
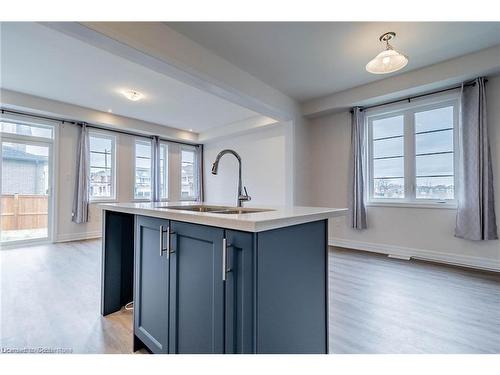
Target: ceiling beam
{"x": 236, "y": 129}
{"x": 164, "y": 50}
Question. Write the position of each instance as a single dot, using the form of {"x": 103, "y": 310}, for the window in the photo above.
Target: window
{"x": 102, "y": 166}
{"x": 180, "y": 185}
{"x": 388, "y": 157}
{"x": 26, "y": 180}
{"x": 142, "y": 186}
{"x": 411, "y": 155}
{"x": 188, "y": 173}
{"x": 27, "y": 129}
{"x": 434, "y": 154}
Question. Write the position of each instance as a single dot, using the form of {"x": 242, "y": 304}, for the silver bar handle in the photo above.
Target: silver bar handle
{"x": 224, "y": 254}
{"x": 168, "y": 242}
{"x": 161, "y": 241}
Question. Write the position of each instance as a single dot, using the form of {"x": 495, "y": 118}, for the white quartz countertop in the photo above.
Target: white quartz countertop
{"x": 276, "y": 217}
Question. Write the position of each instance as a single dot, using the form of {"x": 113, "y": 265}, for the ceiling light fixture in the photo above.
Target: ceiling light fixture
{"x": 389, "y": 60}
{"x": 133, "y": 95}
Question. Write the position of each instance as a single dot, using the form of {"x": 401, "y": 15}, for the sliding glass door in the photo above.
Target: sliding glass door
{"x": 26, "y": 200}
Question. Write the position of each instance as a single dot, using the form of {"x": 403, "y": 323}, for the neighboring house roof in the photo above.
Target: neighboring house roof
{"x": 15, "y": 154}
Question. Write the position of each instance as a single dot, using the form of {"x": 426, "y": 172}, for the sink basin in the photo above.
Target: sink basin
{"x": 198, "y": 208}
{"x": 217, "y": 209}
{"x": 239, "y": 211}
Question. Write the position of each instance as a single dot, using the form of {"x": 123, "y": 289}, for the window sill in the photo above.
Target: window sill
{"x": 447, "y": 205}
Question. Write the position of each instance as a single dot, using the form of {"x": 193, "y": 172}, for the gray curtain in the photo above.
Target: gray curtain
{"x": 199, "y": 169}
{"x": 80, "y": 212}
{"x": 155, "y": 170}
{"x": 476, "y": 204}
{"x": 357, "y": 210}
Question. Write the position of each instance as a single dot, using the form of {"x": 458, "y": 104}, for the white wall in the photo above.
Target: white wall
{"x": 264, "y": 161}
{"x": 419, "y": 232}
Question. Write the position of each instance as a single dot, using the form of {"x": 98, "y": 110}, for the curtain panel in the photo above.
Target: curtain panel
{"x": 476, "y": 219}
{"x": 357, "y": 209}
{"x": 81, "y": 198}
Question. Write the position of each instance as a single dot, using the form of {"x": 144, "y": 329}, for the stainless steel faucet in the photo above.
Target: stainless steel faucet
{"x": 215, "y": 166}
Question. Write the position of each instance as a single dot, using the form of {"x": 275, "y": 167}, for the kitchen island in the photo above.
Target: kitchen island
{"x": 215, "y": 279}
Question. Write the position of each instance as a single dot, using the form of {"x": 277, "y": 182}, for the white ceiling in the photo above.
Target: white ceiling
{"x": 308, "y": 60}
{"x": 40, "y": 61}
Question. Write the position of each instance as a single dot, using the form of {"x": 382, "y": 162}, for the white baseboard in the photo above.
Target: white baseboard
{"x": 78, "y": 236}
{"x": 408, "y": 252}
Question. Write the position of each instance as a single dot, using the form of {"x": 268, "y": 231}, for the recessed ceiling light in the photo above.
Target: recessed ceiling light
{"x": 110, "y": 110}
{"x": 389, "y": 60}
{"x": 190, "y": 130}
{"x": 133, "y": 95}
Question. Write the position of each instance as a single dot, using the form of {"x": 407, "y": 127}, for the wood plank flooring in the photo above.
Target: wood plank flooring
{"x": 384, "y": 305}
{"x": 50, "y": 299}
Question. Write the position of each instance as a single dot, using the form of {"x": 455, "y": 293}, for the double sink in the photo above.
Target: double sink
{"x": 227, "y": 210}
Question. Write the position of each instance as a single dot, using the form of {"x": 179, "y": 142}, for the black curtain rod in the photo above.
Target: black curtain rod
{"x": 73, "y": 122}
{"x": 410, "y": 98}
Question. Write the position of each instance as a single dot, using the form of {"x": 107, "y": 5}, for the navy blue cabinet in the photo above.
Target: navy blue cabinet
{"x": 223, "y": 291}
{"x": 196, "y": 289}
{"x": 239, "y": 290}
{"x": 151, "y": 284}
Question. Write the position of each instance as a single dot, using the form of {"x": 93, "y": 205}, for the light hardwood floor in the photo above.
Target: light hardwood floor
{"x": 50, "y": 298}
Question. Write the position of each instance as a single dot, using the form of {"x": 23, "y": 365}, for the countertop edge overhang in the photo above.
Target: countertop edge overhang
{"x": 277, "y": 217}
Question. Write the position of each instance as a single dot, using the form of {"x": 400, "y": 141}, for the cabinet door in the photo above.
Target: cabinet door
{"x": 239, "y": 292}
{"x": 196, "y": 289}
{"x": 151, "y": 284}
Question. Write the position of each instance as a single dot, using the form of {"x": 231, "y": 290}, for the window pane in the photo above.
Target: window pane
{"x": 388, "y": 127}
{"x": 100, "y": 159}
{"x": 25, "y": 182}
{"x": 101, "y": 166}
{"x": 388, "y": 147}
{"x": 142, "y": 163}
{"x": 441, "y": 141}
{"x": 142, "y": 187}
{"x": 435, "y": 165}
{"x": 388, "y": 168}
{"x": 100, "y": 182}
{"x": 143, "y": 149}
{"x": 100, "y": 144}
{"x": 164, "y": 171}
{"x": 188, "y": 185}
{"x": 440, "y": 118}
{"x": 389, "y": 188}
{"x": 27, "y": 129}
{"x": 24, "y": 169}
{"x": 435, "y": 188}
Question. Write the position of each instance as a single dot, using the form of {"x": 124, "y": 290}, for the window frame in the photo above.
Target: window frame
{"x": 166, "y": 177}
{"x": 408, "y": 111}
{"x": 112, "y": 138}
{"x": 195, "y": 174}
{"x": 144, "y": 141}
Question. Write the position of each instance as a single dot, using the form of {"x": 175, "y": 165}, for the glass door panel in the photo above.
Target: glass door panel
{"x": 25, "y": 191}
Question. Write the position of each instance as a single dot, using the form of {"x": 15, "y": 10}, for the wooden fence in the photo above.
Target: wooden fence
{"x": 23, "y": 211}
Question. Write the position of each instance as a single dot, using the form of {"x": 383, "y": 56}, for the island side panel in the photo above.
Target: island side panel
{"x": 292, "y": 289}
{"x": 117, "y": 261}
